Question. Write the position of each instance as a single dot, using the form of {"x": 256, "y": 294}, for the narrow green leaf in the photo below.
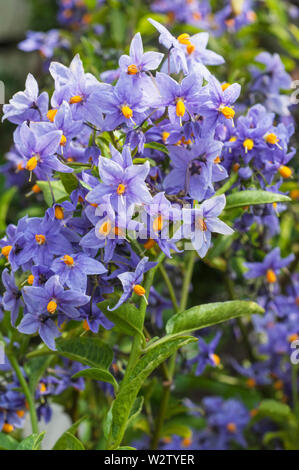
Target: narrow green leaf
{"x": 32, "y": 442}
{"x": 206, "y": 315}
{"x": 89, "y": 351}
{"x": 123, "y": 404}
{"x": 35, "y": 369}
{"x": 97, "y": 374}
{"x": 5, "y": 202}
{"x": 249, "y": 198}
{"x": 157, "y": 146}
{"x": 136, "y": 410}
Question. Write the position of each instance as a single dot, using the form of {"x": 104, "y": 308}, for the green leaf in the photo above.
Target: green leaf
{"x": 157, "y": 146}
{"x": 32, "y": 442}
{"x": 136, "y": 410}
{"x": 121, "y": 407}
{"x": 7, "y": 442}
{"x": 89, "y": 351}
{"x": 69, "y": 181}
{"x": 178, "y": 429}
{"x": 249, "y": 198}
{"x": 127, "y": 317}
{"x": 206, "y": 315}
{"x": 275, "y": 410}
{"x": 68, "y": 442}
{"x": 58, "y": 189}
{"x": 97, "y": 374}
{"x": 5, "y": 202}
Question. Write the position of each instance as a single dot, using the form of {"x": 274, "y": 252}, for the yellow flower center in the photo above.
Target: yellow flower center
{"x": 149, "y": 244}
{"x": 271, "y": 139}
{"x": 7, "y": 428}
{"x": 158, "y": 223}
{"x": 132, "y": 69}
{"x": 40, "y": 239}
{"x": 294, "y": 194}
{"x": 51, "y": 114}
{"x": 76, "y": 99}
{"x": 236, "y": 167}
{"x": 227, "y": 112}
{"x": 190, "y": 48}
{"x": 127, "y": 112}
{"x": 225, "y": 86}
{"x": 6, "y": 250}
{"x": 165, "y": 136}
{"x": 180, "y": 108}
{"x": 184, "y": 39}
{"x": 59, "y": 213}
{"x": 216, "y": 359}
{"x": 30, "y": 279}
{"x": 121, "y": 189}
{"x": 68, "y": 260}
{"x": 186, "y": 442}
{"x": 105, "y": 228}
{"x": 251, "y": 383}
{"x": 285, "y": 171}
{"x": 20, "y": 413}
{"x": 200, "y": 223}
{"x": 271, "y": 276}
{"x": 139, "y": 290}
{"x": 293, "y": 337}
{"x": 231, "y": 427}
{"x": 36, "y": 189}
{"x": 86, "y": 325}
{"x": 32, "y": 163}
{"x": 217, "y": 160}
{"x": 63, "y": 140}
{"x": 42, "y": 387}
{"x": 52, "y": 306}
{"x": 248, "y": 144}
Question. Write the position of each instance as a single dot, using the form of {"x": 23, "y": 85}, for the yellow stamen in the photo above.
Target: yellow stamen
{"x": 294, "y": 194}
{"x": 285, "y": 171}
{"x": 30, "y": 279}
{"x": 184, "y": 39}
{"x": 86, "y": 325}
{"x": 32, "y": 163}
{"x": 227, "y": 112}
{"x": 271, "y": 138}
{"x": 248, "y": 144}
{"x": 233, "y": 139}
{"x": 59, "y": 213}
{"x": 217, "y": 160}
{"x": 76, "y": 99}
{"x": 127, "y": 112}
{"x": 7, "y": 428}
{"x": 51, "y": 114}
{"x": 40, "y": 239}
{"x": 236, "y": 167}
{"x": 20, "y": 413}
{"x": 149, "y": 244}
{"x": 293, "y": 337}
{"x": 253, "y": 412}
{"x": 186, "y": 442}
{"x": 216, "y": 359}
{"x": 68, "y": 260}
{"x": 139, "y": 290}
{"x": 180, "y": 108}
{"x": 225, "y": 86}
{"x": 200, "y": 223}
{"x": 158, "y": 223}
{"x": 231, "y": 427}
{"x": 271, "y": 276}
{"x": 165, "y": 136}
{"x": 20, "y": 166}
{"x": 42, "y": 387}
{"x": 132, "y": 69}
{"x": 36, "y": 189}
{"x": 190, "y": 48}
{"x": 6, "y": 250}
{"x": 121, "y": 189}
{"x": 63, "y": 140}
{"x": 105, "y": 228}
{"x": 52, "y": 307}
{"x": 251, "y": 383}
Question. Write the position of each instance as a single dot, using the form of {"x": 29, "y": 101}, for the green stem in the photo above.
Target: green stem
{"x": 169, "y": 287}
{"x": 171, "y": 369}
{"x": 27, "y": 393}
